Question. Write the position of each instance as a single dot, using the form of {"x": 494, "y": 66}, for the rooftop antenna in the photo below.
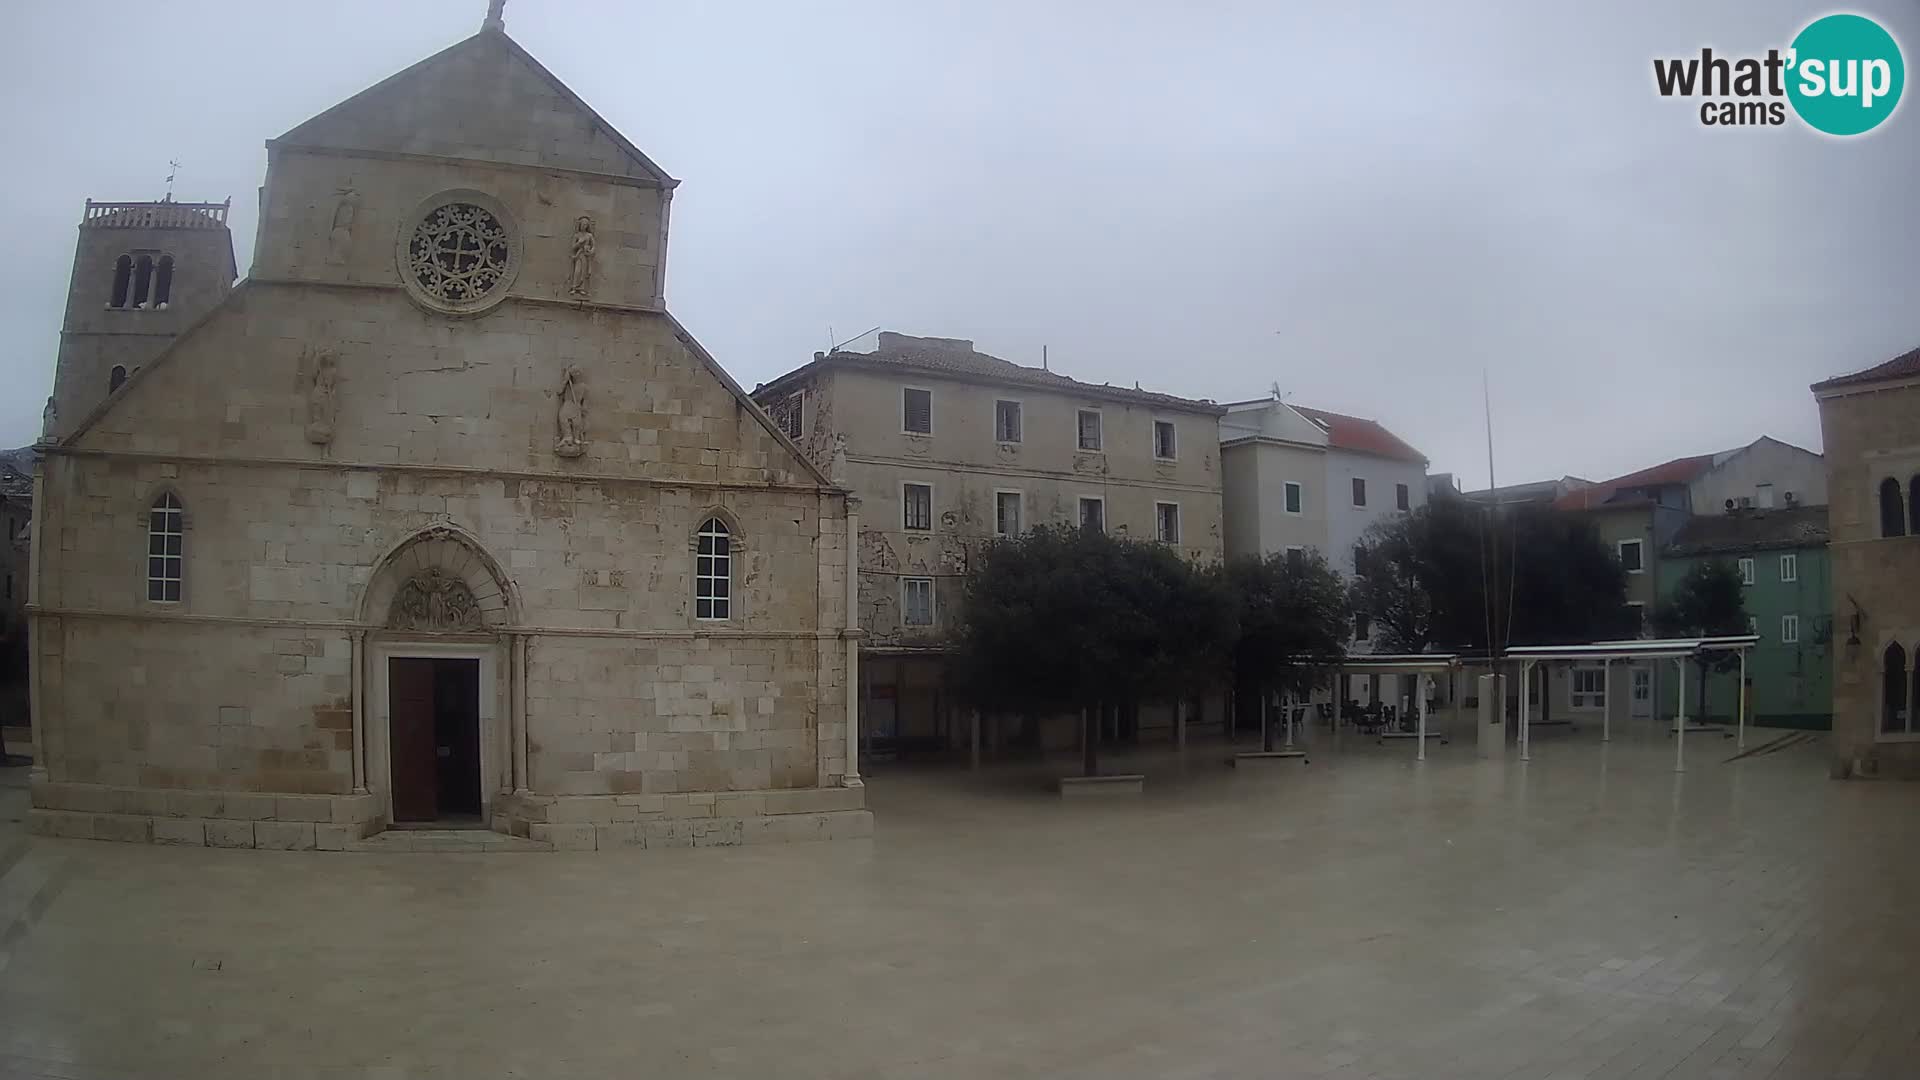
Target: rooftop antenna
{"x": 850, "y": 340}
{"x": 172, "y": 168}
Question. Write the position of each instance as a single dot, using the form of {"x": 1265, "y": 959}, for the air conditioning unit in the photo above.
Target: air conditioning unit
{"x": 1789, "y": 496}
{"x": 1746, "y": 501}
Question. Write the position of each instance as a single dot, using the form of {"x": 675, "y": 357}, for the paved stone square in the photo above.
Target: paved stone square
{"x": 1591, "y": 914}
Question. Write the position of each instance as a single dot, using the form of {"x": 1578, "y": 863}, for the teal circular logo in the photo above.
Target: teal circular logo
{"x": 1845, "y": 74}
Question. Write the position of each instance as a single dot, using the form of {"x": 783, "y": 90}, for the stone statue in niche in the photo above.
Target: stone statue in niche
{"x": 580, "y": 277}
{"x": 572, "y": 420}
{"x": 434, "y": 603}
{"x": 322, "y": 373}
{"x": 340, "y": 235}
{"x": 49, "y": 418}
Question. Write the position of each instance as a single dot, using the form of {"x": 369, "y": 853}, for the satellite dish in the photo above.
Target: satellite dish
{"x": 1729, "y": 504}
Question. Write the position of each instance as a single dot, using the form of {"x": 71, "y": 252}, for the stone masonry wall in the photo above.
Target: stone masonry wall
{"x": 660, "y": 703}
{"x": 1867, "y": 437}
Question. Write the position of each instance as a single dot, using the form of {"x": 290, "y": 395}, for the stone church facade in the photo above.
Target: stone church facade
{"x": 439, "y": 515}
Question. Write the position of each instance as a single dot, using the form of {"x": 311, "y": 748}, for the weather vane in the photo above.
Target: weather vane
{"x": 172, "y": 168}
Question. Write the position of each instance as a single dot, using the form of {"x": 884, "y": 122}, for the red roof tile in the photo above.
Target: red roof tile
{"x": 1678, "y": 471}
{"x": 1360, "y": 435}
{"x": 1904, "y": 366}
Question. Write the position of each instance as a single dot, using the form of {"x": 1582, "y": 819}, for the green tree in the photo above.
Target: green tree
{"x": 1462, "y": 576}
{"x": 1292, "y": 625}
{"x": 1064, "y": 620}
{"x": 1709, "y": 600}
{"x": 1393, "y": 586}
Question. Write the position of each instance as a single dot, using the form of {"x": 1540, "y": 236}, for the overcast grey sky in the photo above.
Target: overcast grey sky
{"x": 1366, "y": 203}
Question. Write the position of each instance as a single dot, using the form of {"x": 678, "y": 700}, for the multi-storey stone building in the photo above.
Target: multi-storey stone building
{"x": 1870, "y": 423}
{"x": 16, "y": 512}
{"x": 1301, "y": 479}
{"x": 947, "y": 447}
{"x": 439, "y": 515}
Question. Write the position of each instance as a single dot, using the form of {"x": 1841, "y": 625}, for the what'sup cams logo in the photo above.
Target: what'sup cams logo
{"x": 1842, "y": 75}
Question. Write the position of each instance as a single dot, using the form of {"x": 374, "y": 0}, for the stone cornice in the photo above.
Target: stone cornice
{"x": 382, "y": 632}
{"x": 511, "y": 297}
{"x": 283, "y": 146}
{"x": 1878, "y": 386}
{"x": 466, "y": 471}
{"x": 1015, "y": 472}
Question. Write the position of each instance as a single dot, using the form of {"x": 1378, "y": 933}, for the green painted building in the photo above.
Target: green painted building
{"x": 1782, "y": 557}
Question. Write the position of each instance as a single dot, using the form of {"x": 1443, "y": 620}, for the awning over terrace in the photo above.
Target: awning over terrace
{"x": 1679, "y": 650}
{"x": 1431, "y": 665}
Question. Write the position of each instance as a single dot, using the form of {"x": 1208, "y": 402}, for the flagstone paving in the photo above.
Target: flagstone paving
{"x": 1590, "y": 914}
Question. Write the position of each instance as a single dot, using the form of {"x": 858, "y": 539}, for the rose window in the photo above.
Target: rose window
{"x": 459, "y": 253}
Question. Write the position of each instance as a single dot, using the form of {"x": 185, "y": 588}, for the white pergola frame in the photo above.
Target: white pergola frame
{"x": 1398, "y": 664}
{"x": 1679, "y": 650}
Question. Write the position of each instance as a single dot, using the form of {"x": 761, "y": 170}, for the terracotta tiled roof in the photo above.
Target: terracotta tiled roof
{"x": 1360, "y": 435}
{"x": 953, "y": 357}
{"x": 1752, "y": 530}
{"x": 1678, "y": 471}
{"x": 1904, "y": 366}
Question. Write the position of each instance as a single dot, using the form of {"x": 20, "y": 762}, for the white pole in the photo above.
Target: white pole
{"x": 1420, "y": 692}
{"x": 1286, "y": 715}
{"x": 1742, "y": 742}
{"x": 1680, "y": 718}
{"x": 1606, "y": 701}
{"x": 1526, "y": 686}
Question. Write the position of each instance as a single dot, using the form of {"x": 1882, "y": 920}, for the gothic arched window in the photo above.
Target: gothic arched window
{"x": 166, "y": 536}
{"x": 1913, "y": 505}
{"x": 1894, "y": 717}
{"x": 1893, "y": 517}
{"x": 713, "y": 571}
{"x": 122, "y": 281}
{"x": 163, "y": 282}
{"x": 142, "y": 281}
{"x": 116, "y": 377}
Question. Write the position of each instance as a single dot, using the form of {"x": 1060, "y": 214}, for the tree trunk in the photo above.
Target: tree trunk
{"x": 1089, "y": 736}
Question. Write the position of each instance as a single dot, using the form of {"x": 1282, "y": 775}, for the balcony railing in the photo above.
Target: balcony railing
{"x": 165, "y": 214}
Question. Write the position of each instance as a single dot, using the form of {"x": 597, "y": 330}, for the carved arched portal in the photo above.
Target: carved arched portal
{"x": 441, "y": 681}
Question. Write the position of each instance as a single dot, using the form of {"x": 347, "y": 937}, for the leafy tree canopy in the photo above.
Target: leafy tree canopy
{"x": 1458, "y": 575}
{"x": 1708, "y": 601}
{"x": 1060, "y": 618}
{"x": 1292, "y": 620}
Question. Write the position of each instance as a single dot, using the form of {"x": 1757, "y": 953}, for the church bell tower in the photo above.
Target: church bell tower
{"x": 142, "y": 273}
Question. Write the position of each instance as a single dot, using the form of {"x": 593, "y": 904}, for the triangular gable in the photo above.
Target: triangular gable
{"x": 235, "y": 302}
{"x": 463, "y": 102}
